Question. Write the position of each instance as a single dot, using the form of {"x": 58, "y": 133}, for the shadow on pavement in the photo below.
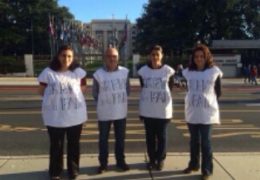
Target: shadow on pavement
{"x": 37, "y": 175}
{"x": 138, "y": 171}
{"x": 175, "y": 174}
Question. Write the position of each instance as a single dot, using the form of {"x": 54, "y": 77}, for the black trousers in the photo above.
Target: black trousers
{"x": 56, "y": 136}
{"x": 156, "y": 138}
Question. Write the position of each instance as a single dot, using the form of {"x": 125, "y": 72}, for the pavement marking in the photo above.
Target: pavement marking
{"x": 182, "y": 121}
{"x": 256, "y": 136}
{"x": 95, "y": 125}
{"x": 253, "y": 134}
{"x": 25, "y": 129}
{"x": 253, "y": 104}
{"x": 95, "y": 132}
{"x": 220, "y": 127}
{"x": 110, "y": 140}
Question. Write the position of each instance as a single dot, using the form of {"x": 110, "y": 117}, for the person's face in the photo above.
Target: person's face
{"x": 156, "y": 56}
{"x": 111, "y": 58}
{"x": 199, "y": 59}
{"x": 65, "y": 58}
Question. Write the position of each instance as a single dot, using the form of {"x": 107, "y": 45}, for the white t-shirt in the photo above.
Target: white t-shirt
{"x": 201, "y": 106}
{"x": 156, "y": 100}
{"x": 112, "y": 96}
{"x": 63, "y": 102}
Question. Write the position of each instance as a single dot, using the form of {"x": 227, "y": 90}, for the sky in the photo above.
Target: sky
{"x": 86, "y": 10}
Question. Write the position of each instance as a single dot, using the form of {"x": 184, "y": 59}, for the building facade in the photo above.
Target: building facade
{"x": 110, "y": 33}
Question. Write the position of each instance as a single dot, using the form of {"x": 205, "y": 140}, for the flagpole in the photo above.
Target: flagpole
{"x": 113, "y": 27}
{"x": 50, "y": 24}
{"x": 125, "y": 54}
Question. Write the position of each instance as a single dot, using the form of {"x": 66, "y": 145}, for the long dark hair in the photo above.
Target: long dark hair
{"x": 55, "y": 64}
{"x": 208, "y": 57}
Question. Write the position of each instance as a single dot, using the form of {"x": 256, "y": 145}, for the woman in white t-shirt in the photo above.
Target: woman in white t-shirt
{"x": 155, "y": 108}
{"x": 62, "y": 85}
{"x": 201, "y": 108}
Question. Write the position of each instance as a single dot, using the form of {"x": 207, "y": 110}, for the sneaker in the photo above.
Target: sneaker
{"x": 102, "y": 168}
{"x": 189, "y": 170}
{"x": 123, "y": 166}
{"x": 204, "y": 177}
{"x": 160, "y": 166}
{"x": 150, "y": 165}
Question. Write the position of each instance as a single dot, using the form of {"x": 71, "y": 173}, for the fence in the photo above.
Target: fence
{"x": 89, "y": 62}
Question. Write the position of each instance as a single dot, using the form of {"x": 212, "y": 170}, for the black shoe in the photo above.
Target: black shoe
{"x": 204, "y": 177}
{"x": 123, "y": 166}
{"x": 73, "y": 176}
{"x": 189, "y": 170}
{"x": 55, "y": 178}
{"x": 102, "y": 168}
{"x": 150, "y": 165}
{"x": 160, "y": 166}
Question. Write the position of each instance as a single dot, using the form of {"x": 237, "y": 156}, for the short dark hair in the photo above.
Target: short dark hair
{"x": 155, "y": 47}
{"x": 55, "y": 63}
{"x": 209, "y": 61}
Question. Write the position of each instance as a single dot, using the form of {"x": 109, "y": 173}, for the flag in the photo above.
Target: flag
{"x": 125, "y": 31}
{"x": 51, "y": 28}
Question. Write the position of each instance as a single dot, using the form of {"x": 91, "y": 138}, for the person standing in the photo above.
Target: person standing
{"x": 247, "y": 73}
{"x": 155, "y": 107}
{"x": 253, "y": 74}
{"x": 178, "y": 75}
{"x": 111, "y": 87}
{"x": 62, "y": 85}
{"x": 201, "y": 108}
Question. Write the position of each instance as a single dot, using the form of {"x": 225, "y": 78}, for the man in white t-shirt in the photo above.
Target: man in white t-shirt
{"x": 110, "y": 90}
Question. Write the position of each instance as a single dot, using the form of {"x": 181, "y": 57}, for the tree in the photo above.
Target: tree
{"x": 18, "y": 17}
{"x": 182, "y": 23}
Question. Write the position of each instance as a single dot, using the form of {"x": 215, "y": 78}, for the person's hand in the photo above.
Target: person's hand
{"x": 141, "y": 118}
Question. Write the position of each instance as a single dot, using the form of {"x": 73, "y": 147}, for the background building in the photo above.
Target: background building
{"x": 111, "y": 33}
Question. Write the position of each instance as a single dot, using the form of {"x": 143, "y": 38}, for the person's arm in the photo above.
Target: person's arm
{"x": 218, "y": 87}
{"x": 42, "y": 88}
{"x": 128, "y": 85}
{"x": 83, "y": 84}
{"x": 95, "y": 89}
{"x": 142, "y": 85}
{"x": 141, "y": 81}
{"x": 171, "y": 82}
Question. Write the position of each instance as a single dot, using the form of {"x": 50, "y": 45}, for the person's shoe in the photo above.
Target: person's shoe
{"x": 73, "y": 176}
{"x": 205, "y": 177}
{"x": 150, "y": 165}
{"x": 123, "y": 166}
{"x": 189, "y": 170}
{"x": 102, "y": 168}
{"x": 160, "y": 166}
{"x": 55, "y": 178}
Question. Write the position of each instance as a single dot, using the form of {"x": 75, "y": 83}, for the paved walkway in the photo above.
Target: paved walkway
{"x": 227, "y": 166}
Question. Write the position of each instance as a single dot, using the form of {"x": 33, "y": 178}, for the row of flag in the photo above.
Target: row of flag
{"x": 63, "y": 31}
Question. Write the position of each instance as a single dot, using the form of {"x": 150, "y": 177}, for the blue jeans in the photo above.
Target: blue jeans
{"x": 156, "y": 130}
{"x": 119, "y": 129}
{"x": 201, "y": 133}
{"x": 253, "y": 79}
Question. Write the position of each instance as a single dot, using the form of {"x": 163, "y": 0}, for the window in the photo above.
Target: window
{"x": 99, "y": 32}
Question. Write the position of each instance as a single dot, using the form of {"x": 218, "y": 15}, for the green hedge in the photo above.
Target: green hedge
{"x": 11, "y": 65}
